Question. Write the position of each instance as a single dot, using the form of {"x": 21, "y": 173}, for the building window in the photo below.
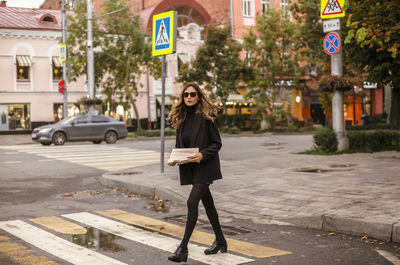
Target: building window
{"x": 285, "y": 7}
{"x": 247, "y": 8}
{"x": 183, "y": 59}
{"x": 57, "y": 69}
{"x": 23, "y": 67}
{"x": 264, "y": 6}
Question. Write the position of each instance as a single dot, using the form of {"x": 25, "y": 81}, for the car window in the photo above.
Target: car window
{"x": 82, "y": 119}
{"x": 98, "y": 119}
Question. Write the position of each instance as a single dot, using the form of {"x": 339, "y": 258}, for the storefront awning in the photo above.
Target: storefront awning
{"x": 24, "y": 60}
{"x": 56, "y": 61}
{"x": 169, "y": 100}
{"x": 184, "y": 57}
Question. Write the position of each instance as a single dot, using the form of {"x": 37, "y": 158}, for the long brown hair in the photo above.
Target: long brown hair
{"x": 204, "y": 107}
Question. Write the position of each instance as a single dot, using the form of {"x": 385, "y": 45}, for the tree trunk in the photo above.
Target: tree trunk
{"x": 139, "y": 127}
{"x": 394, "y": 118}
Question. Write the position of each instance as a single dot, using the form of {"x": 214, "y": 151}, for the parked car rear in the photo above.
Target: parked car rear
{"x": 95, "y": 128}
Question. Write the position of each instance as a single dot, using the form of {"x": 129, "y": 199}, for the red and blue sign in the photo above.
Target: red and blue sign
{"x": 331, "y": 43}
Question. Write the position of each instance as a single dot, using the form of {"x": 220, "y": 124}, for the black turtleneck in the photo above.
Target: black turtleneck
{"x": 188, "y": 124}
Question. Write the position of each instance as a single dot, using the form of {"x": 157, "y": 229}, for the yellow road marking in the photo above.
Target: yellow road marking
{"x": 234, "y": 245}
{"x": 22, "y": 254}
{"x": 60, "y": 225}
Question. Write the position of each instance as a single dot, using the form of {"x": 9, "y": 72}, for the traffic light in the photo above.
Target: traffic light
{"x": 61, "y": 87}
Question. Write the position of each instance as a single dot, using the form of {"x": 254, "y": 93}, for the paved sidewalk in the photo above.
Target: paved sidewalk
{"x": 362, "y": 198}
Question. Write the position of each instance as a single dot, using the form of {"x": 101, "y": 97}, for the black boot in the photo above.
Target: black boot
{"x": 180, "y": 254}
{"x": 215, "y": 247}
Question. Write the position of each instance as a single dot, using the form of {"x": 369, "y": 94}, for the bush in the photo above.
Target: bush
{"x": 378, "y": 126}
{"x": 374, "y": 141}
{"x": 156, "y": 133}
{"x": 325, "y": 140}
{"x": 233, "y": 130}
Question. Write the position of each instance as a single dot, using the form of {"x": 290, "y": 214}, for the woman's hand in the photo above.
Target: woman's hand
{"x": 171, "y": 164}
{"x": 196, "y": 158}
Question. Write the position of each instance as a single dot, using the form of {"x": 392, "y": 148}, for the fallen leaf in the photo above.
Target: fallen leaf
{"x": 332, "y": 234}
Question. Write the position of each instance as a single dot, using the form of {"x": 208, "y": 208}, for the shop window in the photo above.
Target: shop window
{"x": 73, "y": 109}
{"x": 19, "y": 117}
{"x": 23, "y": 67}
{"x": 57, "y": 69}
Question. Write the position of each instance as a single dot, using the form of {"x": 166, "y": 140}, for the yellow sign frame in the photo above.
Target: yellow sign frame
{"x": 173, "y": 16}
{"x": 61, "y": 53}
{"x": 324, "y": 4}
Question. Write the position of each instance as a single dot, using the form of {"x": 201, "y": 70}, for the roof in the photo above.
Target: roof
{"x": 29, "y": 18}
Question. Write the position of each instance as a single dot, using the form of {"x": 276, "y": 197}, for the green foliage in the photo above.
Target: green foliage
{"x": 217, "y": 65}
{"x": 233, "y": 130}
{"x": 325, "y": 140}
{"x": 375, "y": 140}
{"x": 372, "y": 39}
{"x": 241, "y": 121}
{"x": 378, "y": 126}
{"x": 123, "y": 52}
{"x": 272, "y": 61}
{"x": 155, "y": 133}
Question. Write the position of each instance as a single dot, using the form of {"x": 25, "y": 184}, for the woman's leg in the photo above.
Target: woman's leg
{"x": 198, "y": 191}
{"x": 212, "y": 215}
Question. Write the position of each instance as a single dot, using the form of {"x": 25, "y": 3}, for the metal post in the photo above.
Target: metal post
{"x": 162, "y": 113}
{"x": 64, "y": 41}
{"x": 90, "y": 57}
{"x": 337, "y": 102}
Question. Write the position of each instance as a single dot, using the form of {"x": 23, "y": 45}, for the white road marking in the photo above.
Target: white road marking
{"x": 56, "y": 246}
{"x": 12, "y": 162}
{"x": 11, "y": 153}
{"x": 152, "y": 239}
{"x": 389, "y": 256}
{"x": 104, "y": 157}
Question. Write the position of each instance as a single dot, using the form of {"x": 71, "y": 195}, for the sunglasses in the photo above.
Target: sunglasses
{"x": 192, "y": 94}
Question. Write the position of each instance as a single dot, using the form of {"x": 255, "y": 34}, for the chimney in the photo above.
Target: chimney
{"x": 3, "y": 3}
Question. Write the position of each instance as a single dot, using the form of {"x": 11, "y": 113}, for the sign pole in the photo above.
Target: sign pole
{"x": 162, "y": 113}
{"x": 64, "y": 41}
{"x": 337, "y": 102}
{"x": 164, "y": 42}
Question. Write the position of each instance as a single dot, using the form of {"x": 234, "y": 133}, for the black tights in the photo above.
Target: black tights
{"x": 201, "y": 192}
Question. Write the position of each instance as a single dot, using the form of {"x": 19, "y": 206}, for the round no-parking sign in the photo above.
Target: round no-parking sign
{"x": 331, "y": 43}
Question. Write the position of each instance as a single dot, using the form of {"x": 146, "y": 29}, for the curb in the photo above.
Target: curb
{"x": 325, "y": 222}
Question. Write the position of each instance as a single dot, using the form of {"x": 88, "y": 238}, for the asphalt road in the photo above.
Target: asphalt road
{"x": 35, "y": 186}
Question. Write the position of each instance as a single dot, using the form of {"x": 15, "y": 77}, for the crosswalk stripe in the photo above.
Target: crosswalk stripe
{"x": 56, "y": 246}
{"x": 234, "y": 245}
{"x": 21, "y": 254}
{"x": 152, "y": 239}
{"x": 60, "y": 225}
{"x": 106, "y": 157}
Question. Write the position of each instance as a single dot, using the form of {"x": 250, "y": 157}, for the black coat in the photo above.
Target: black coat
{"x": 206, "y": 137}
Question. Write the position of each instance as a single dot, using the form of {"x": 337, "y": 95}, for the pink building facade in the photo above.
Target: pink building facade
{"x": 30, "y": 69}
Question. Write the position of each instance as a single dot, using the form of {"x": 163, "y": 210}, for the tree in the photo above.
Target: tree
{"x": 123, "y": 54}
{"x": 217, "y": 65}
{"x": 373, "y": 39}
{"x": 270, "y": 47}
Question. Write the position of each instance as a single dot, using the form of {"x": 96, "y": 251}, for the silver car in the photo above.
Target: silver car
{"x": 95, "y": 128}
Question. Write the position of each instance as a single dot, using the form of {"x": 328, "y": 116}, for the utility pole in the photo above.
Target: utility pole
{"x": 90, "y": 55}
{"x": 64, "y": 41}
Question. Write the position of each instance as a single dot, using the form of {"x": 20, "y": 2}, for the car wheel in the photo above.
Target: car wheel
{"x": 46, "y": 143}
{"x": 111, "y": 137}
{"x": 96, "y": 142}
{"x": 59, "y": 138}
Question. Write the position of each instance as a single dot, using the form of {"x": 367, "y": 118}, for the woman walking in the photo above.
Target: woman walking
{"x": 193, "y": 117}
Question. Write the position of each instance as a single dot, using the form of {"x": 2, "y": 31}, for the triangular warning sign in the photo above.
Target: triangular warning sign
{"x": 162, "y": 36}
{"x": 332, "y": 8}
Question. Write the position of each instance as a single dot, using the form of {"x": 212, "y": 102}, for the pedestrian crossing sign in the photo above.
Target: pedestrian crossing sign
{"x": 164, "y": 33}
{"x": 332, "y": 8}
{"x": 63, "y": 53}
